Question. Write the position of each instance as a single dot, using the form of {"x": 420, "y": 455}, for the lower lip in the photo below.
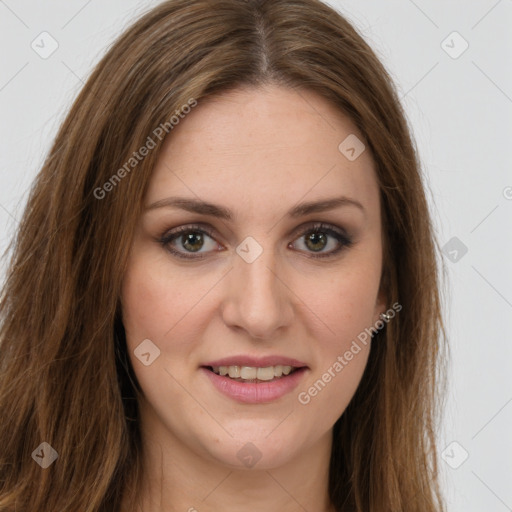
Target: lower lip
{"x": 255, "y": 392}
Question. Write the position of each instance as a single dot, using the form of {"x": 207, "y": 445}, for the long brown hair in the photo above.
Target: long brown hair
{"x": 65, "y": 376}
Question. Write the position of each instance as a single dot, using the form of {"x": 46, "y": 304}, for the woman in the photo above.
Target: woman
{"x": 223, "y": 293}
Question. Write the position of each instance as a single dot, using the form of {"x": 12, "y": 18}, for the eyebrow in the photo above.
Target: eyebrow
{"x": 214, "y": 210}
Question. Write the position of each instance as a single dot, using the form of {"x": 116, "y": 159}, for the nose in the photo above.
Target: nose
{"x": 257, "y": 298}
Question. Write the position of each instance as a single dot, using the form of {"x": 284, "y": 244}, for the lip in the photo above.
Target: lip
{"x": 255, "y": 392}
{"x": 258, "y": 362}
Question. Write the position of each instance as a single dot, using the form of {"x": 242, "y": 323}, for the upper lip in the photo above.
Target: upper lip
{"x": 257, "y": 362}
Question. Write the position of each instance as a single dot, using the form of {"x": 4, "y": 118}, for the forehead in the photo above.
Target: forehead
{"x": 253, "y": 147}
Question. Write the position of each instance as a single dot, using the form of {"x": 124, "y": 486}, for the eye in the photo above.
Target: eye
{"x": 323, "y": 240}
{"x": 195, "y": 241}
{"x": 189, "y": 239}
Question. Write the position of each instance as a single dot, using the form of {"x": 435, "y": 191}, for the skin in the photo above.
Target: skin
{"x": 258, "y": 152}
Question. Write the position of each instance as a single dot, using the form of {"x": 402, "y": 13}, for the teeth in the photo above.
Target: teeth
{"x": 253, "y": 373}
{"x": 265, "y": 373}
{"x": 234, "y": 371}
{"x": 249, "y": 373}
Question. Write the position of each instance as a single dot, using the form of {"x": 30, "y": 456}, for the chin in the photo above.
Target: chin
{"x": 255, "y": 452}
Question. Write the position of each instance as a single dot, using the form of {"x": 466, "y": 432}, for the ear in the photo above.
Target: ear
{"x": 380, "y": 305}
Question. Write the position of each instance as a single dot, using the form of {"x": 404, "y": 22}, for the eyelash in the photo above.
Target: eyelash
{"x": 344, "y": 240}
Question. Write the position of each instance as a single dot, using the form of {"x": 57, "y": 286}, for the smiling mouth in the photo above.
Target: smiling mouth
{"x": 252, "y": 374}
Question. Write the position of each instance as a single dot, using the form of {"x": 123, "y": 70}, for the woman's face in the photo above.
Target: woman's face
{"x": 249, "y": 283}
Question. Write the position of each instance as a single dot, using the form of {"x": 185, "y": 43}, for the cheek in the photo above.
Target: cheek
{"x": 345, "y": 303}
{"x": 346, "y": 307}
{"x": 156, "y": 304}
{"x": 160, "y": 307}
{"x": 342, "y": 349}
{"x": 329, "y": 390}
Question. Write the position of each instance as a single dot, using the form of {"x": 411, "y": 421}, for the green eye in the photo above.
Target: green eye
{"x": 189, "y": 241}
{"x": 321, "y": 236}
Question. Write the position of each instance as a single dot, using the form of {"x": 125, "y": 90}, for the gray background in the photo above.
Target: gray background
{"x": 459, "y": 105}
